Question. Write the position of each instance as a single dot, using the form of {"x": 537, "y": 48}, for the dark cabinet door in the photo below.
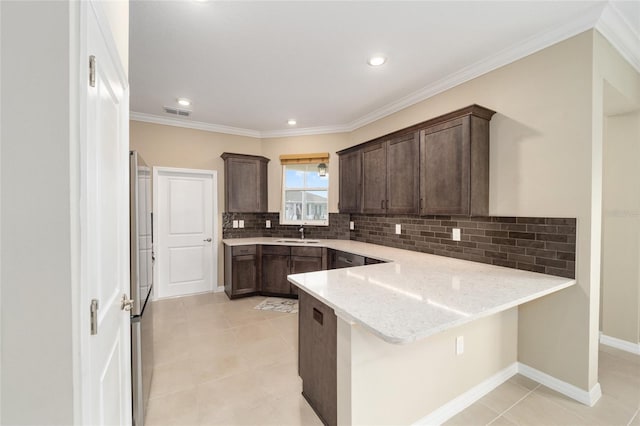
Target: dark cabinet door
{"x": 302, "y": 264}
{"x": 445, "y": 169}
{"x": 244, "y": 275}
{"x": 349, "y": 182}
{"x": 241, "y": 270}
{"x": 454, "y": 166}
{"x": 374, "y": 178}
{"x": 403, "y": 174}
{"x": 275, "y": 268}
{"x": 245, "y": 183}
{"x": 317, "y": 355}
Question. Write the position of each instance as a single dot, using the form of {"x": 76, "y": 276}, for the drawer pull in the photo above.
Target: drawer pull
{"x": 317, "y": 316}
{"x": 345, "y": 260}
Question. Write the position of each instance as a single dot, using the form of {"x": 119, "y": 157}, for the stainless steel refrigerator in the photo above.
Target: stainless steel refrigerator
{"x": 141, "y": 219}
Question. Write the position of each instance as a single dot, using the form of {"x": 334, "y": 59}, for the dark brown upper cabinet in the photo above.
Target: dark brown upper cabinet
{"x": 374, "y": 178}
{"x": 437, "y": 167}
{"x": 245, "y": 178}
{"x": 350, "y": 176}
{"x": 403, "y": 174}
{"x": 390, "y": 175}
{"x": 454, "y": 164}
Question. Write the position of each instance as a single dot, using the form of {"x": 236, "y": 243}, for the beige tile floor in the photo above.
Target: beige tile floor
{"x": 221, "y": 362}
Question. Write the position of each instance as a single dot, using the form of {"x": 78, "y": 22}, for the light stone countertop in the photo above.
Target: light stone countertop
{"x": 416, "y": 295}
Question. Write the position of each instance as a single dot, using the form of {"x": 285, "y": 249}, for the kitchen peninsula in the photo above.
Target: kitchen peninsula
{"x": 401, "y": 330}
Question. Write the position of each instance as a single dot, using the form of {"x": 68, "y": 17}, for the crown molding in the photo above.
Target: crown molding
{"x": 198, "y": 125}
{"x": 499, "y": 59}
{"x": 321, "y": 130}
{"x": 622, "y": 36}
{"x": 606, "y": 18}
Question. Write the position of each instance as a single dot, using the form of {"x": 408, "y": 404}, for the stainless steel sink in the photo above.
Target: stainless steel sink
{"x": 297, "y": 241}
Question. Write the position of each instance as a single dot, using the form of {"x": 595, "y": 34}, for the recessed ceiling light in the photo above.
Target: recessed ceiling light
{"x": 184, "y": 101}
{"x": 291, "y": 122}
{"x": 376, "y": 61}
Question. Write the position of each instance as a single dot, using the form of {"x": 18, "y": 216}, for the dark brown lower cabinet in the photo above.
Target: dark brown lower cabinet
{"x": 317, "y": 356}
{"x": 241, "y": 271}
{"x": 307, "y": 259}
{"x": 275, "y": 268}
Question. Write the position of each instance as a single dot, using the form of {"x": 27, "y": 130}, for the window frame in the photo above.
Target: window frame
{"x": 283, "y": 204}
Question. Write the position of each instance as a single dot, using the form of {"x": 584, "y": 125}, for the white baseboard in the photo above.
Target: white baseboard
{"x": 623, "y": 345}
{"x": 218, "y": 289}
{"x": 586, "y": 397}
{"x": 458, "y": 404}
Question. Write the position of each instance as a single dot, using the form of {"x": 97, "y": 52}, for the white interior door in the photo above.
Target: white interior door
{"x": 184, "y": 217}
{"x": 104, "y": 232}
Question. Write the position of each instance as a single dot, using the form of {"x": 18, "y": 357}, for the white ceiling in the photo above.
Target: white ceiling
{"x": 250, "y": 66}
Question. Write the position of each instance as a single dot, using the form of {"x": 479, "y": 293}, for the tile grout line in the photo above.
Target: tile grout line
{"x": 634, "y": 417}
{"x": 514, "y": 404}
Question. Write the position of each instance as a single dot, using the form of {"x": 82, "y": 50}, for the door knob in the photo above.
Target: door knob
{"x": 125, "y": 303}
{"x": 207, "y": 240}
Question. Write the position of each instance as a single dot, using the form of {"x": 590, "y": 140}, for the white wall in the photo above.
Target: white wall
{"x": 621, "y": 228}
{"x": 381, "y": 383}
{"x": 35, "y": 259}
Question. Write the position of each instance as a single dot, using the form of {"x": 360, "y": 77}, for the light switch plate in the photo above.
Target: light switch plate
{"x": 352, "y": 225}
{"x": 241, "y": 223}
{"x": 398, "y": 228}
{"x": 268, "y": 224}
{"x": 235, "y": 223}
{"x": 456, "y": 234}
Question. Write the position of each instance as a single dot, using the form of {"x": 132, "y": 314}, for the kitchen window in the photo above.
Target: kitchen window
{"x": 305, "y": 193}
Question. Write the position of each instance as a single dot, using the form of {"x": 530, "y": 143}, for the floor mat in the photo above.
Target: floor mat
{"x": 279, "y": 305}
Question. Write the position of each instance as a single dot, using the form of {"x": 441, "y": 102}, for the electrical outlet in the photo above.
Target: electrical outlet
{"x": 459, "y": 345}
{"x": 235, "y": 223}
{"x": 241, "y": 223}
{"x": 268, "y": 224}
{"x": 352, "y": 225}
{"x": 398, "y": 228}
{"x": 456, "y": 234}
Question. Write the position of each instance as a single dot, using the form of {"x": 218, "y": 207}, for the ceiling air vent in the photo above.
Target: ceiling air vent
{"x": 177, "y": 111}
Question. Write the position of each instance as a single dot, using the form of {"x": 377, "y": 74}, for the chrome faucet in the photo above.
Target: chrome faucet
{"x": 301, "y": 230}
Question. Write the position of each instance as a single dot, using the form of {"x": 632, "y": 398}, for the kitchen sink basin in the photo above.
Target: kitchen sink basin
{"x": 297, "y": 241}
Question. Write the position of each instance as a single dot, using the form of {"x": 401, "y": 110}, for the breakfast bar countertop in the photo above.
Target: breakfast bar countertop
{"x": 415, "y": 295}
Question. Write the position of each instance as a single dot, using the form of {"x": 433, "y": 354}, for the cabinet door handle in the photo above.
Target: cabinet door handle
{"x": 382, "y": 204}
{"x": 318, "y": 316}
{"x": 421, "y": 203}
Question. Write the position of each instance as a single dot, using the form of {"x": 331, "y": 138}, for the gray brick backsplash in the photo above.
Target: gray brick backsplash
{"x": 254, "y": 226}
{"x": 537, "y": 244}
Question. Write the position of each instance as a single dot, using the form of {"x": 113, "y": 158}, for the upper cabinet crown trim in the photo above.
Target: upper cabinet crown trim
{"x": 476, "y": 110}
{"x": 226, "y": 155}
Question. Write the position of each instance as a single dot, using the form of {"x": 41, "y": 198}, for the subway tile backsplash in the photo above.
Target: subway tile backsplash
{"x": 546, "y": 245}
